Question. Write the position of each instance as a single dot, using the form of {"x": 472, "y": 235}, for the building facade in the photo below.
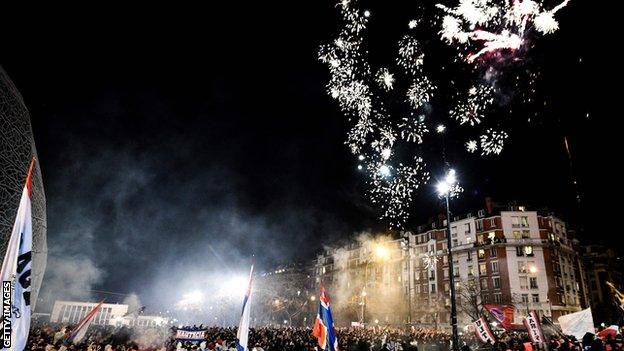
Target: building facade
{"x": 513, "y": 256}
{"x": 366, "y": 281}
{"x": 18, "y": 149}
{"x": 603, "y": 265}
{"x": 71, "y": 312}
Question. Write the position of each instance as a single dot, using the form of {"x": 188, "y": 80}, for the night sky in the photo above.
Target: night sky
{"x": 177, "y": 142}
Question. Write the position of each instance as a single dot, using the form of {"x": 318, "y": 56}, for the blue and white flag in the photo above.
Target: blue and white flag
{"x": 16, "y": 275}
{"x": 242, "y": 336}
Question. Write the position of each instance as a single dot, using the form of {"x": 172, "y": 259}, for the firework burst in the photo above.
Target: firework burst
{"x": 492, "y": 142}
{"x": 471, "y": 111}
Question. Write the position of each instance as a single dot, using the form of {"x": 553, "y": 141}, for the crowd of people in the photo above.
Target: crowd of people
{"x": 108, "y": 338}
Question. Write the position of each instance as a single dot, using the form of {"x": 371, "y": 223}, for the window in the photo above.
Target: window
{"x": 453, "y": 232}
{"x": 479, "y": 225}
{"x": 495, "y": 267}
{"x": 417, "y": 276}
{"x": 535, "y": 297}
{"x": 519, "y": 251}
{"x": 524, "y": 283}
{"x": 491, "y": 236}
{"x": 528, "y": 250}
{"x": 524, "y": 221}
{"x": 467, "y": 228}
{"x": 497, "y": 282}
{"x": 493, "y": 252}
{"x": 432, "y": 274}
{"x": 470, "y": 270}
{"x": 469, "y": 256}
{"x": 454, "y": 243}
{"x": 515, "y": 221}
{"x": 446, "y": 287}
{"x": 498, "y": 298}
{"x": 482, "y": 269}
{"x": 525, "y": 298}
{"x": 433, "y": 289}
{"x": 455, "y": 271}
{"x": 517, "y": 234}
{"x": 481, "y": 253}
{"x": 526, "y": 234}
{"x": 484, "y": 285}
{"x": 522, "y": 268}
{"x": 468, "y": 239}
{"x": 533, "y": 282}
{"x": 446, "y": 272}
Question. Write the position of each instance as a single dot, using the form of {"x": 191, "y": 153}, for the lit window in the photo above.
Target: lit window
{"x": 481, "y": 253}
{"x": 482, "y": 269}
{"x": 528, "y": 250}
{"x": 491, "y": 235}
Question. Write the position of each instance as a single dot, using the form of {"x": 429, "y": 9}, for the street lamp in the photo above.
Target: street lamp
{"x": 445, "y": 188}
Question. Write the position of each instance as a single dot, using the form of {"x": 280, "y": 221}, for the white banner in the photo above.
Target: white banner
{"x": 577, "y": 323}
{"x": 190, "y": 335}
{"x": 483, "y": 331}
{"x": 16, "y": 276}
{"x": 532, "y": 323}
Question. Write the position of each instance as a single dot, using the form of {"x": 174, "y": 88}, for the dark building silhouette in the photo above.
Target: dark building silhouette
{"x": 17, "y": 148}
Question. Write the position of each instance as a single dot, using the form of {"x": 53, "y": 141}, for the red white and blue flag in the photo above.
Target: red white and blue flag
{"x": 242, "y": 335}
{"x": 324, "y": 325}
{"x": 80, "y": 330}
{"x": 16, "y": 275}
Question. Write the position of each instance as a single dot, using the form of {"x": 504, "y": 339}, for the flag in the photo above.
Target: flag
{"x": 577, "y": 323}
{"x": 324, "y": 325}
{"x": 242, "y": 335}
{"x": 611, "y": 330}
{"x": 483, "y": 331}
{"x": 619, "y": 297}
{"x": 531, "y": 322}
{"x": 502, "y": 313}
{"x": 16, "y": 275}
{"x": 81, "y": 328}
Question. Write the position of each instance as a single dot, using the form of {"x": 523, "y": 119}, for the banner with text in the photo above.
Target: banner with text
{"x": 190, "y": 335}
{"x": 532, "y": 323}
{"x": 484, "y": 333}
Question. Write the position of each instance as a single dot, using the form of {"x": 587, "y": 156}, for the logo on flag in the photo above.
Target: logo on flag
{"x": 16, "y": 275}
{"x": 483, "y": 331}
{"x": 532, "y": 323}
{"x": 324, "y": 325}
{"x": 504, "y": 314}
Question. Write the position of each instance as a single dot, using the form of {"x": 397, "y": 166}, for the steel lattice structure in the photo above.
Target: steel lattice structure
{"x": 17, "y": 148}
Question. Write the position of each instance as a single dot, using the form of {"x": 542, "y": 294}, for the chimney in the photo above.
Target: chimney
{"x": 489, "y": 205}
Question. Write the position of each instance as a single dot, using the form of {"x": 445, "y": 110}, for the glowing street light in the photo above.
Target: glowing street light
{"x": 533, "y": 269}
{"x": 382, "y": 252}
{"x": 312, "y": 298}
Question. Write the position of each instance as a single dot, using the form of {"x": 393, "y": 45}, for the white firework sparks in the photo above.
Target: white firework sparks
{"x": 472, "y": 146}
{"x": 492, "y": 142}
{"x": 420, "y": 92}
{"x": 500, "y": 27}
{"x": 385, "y": 79}
{"x": 411, "y": 57}
{"x": 413, "y": 129}
{"x": 471, "y": 110}
{"x": 393, "y": 188}
{"x": 374, "y": 133}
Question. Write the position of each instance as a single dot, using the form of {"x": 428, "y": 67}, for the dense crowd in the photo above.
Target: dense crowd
{"x": 109, "y": 338}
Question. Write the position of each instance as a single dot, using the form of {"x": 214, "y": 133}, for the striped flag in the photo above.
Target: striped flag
{"x": 324, "y": 325}
{"x": 16, "y": 275}
{"x": 242, "y": 335}
{"x": 81, "y": 328}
